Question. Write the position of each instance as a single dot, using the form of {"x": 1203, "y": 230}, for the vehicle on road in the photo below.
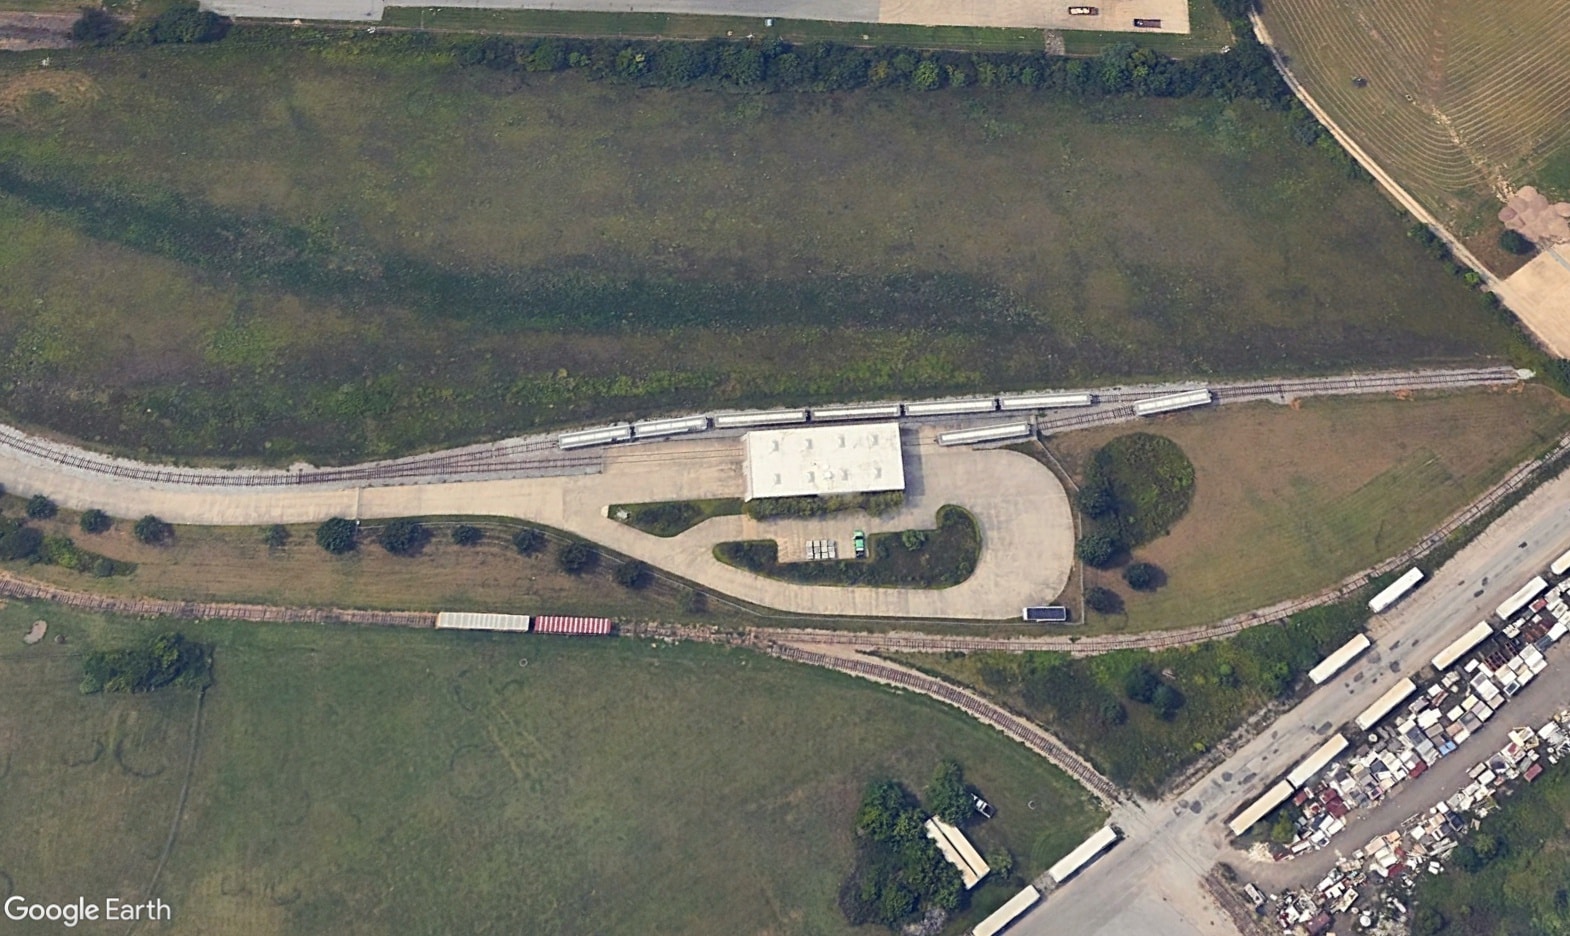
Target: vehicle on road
{"x": 1083, "y": 11}
{"x": 859, "y": 542}
{"x": 1147, "y": 23}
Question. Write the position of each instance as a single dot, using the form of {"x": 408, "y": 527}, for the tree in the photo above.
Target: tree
{"x": 1515, "y": 242}
{"x": 1140, "y": 684}
{"x": 927, "y": 76}
{"x": 40, "y": 507}
{"x": 19, "y": 542}
{"x": 1142, "y": 576}
{"x": 466, "y": 535}
{"x": 946, "y": 794}
{"x": 913, "y": 540}
{"x": 184, "y": 22}
{"x": 1283, "y": 830}
{"x": 1001, "y": 862}
{"x": 152, "y": 531}
{"x": 1103, "y": 600}
{"x": 528, "y": 541}
{"x": 1226, "y": 676}
{"x": 633, "y": 574}
{"x": 1113, "y": 713}
{"x": 1426, "y": 921}
{"x": 94, "y": 520}
{"x": 337, "y": 535}
{"x": 1095, "y": 500}
{"x": 404, "y": 536}
{"x": 1166, "y": 700}
{"x": 276, "y": 536}
{"x": 576, "y": 557}
{"x": 95, "y": 26}
{"x": 1097, "y": 548}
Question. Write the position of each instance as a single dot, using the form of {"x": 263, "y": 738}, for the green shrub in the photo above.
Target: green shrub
{"x": 576, "y": 557}
{"x": 1098, "y": 548}
{"x": 40, "y": 507}
{"x": 466, "y": 535}
{"x": 1142, "y": 576}
{"x": 94, "y": 520}
{"x": 337, "y": 535}
{"x": 404, "y": 536}
{"x": 1103, "y": 600}
{"x": 18, "y": 541}
{"x": 528, "y": 541}
{"x": 633, "y": 574}
{"x": 1515, "y": 242}
{"x": 152, "y": 531}
{"x": 160, "y": 661}
{"x": 277, "y": 536}
{"x": 1141, "y": 684}
{"x": 946, "y": 795}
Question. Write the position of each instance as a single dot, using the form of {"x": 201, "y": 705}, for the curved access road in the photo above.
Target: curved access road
{"x": 1020, "y": 506}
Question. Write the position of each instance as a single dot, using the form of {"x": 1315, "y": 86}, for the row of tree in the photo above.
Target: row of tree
{"x": 772, "y": 64}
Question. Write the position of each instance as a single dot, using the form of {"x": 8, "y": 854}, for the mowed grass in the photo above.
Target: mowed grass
{"x": 368, "y": 781}
{"x": 693, "y": 26}
{"x": 1461, "y": 99}
{"x": 1290, "y": 500}
{"x": 435, "y": 254}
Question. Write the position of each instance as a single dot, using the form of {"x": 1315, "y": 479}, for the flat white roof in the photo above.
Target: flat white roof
{"x": 1396, "y": 589}
{"x": 958, "y": 850}
{"x": 824, "y": 460}
{"x": 1069, "y": 864}
{"x": 1007, "y": 913}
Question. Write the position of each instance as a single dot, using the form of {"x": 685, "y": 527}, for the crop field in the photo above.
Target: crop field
{"x": 1462, "y": 99}
{"x": 332, "y": 250}
{"x": 366, "y": 781}
{"x": 1290, "y": 500}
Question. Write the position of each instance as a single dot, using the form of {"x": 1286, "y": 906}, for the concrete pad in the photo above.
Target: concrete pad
{"x": 1540, "y": 294}
{"x": 1114, "y": 15}
{"x": 1020, "y": 506}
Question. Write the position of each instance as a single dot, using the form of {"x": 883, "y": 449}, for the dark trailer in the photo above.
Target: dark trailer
{"x": 1047, "y": 614}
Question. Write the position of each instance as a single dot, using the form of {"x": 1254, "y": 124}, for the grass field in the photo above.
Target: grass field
{"x": 1461, "y": 99}
{"x": 359, "y": 781}
{"x": 246, "y": 251}
{"x": 1290, "y": 500}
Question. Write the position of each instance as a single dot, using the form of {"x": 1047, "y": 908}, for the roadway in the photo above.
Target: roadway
{"x": 1149, "y": 885}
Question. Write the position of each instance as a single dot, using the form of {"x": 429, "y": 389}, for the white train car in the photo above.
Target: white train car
{"x": 1561, "y": 565}
{"x": 1337, "y": 661}
{"x": 477, "y": 620}
{"x": 621, "y": 432}
{"x": 1396, "y": 590}
{"x": 1089, "y": 850}
{"x": 1522, "y": 598}
{"x": 1045, "y": 401}
{"x": 868, "y": 411}
{"x": 1317, "y": 761}
{"x": 1461, "y": 646}
{"x": 1173, "y": 402}
{"x": 986, "y": 434}
{"x": 760, "y": 418}
{"x": 1260, "y": 808}
{"x": 1386, "y": 703}
{"x": 951, "y": 407}
{"x": 1008, "y": 913}
{"x": 660, "y": 428}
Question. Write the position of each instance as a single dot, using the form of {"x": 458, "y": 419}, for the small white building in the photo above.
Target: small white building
{"x": 850, "y": 459}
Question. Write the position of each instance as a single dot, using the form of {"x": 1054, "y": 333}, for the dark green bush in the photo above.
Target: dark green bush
{"x": 466, "y": 535}
{"x": 40, "y": 507}
{"x": 94, "y": 520}
{"x": 337, "y": 535}
{"x": 404, "y": 536}
{"x": 528, "y": 541}
{"x": 576, "y": 557}
{"x": 152, "y": 531}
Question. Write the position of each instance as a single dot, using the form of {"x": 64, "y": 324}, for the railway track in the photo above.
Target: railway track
{"x": 539, "y": 455}
{"x": 1010, "y": 724}
{"x": 12, "y": 586}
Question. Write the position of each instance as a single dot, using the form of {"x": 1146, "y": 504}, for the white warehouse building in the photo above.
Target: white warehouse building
{"x": 849, "y": 459}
